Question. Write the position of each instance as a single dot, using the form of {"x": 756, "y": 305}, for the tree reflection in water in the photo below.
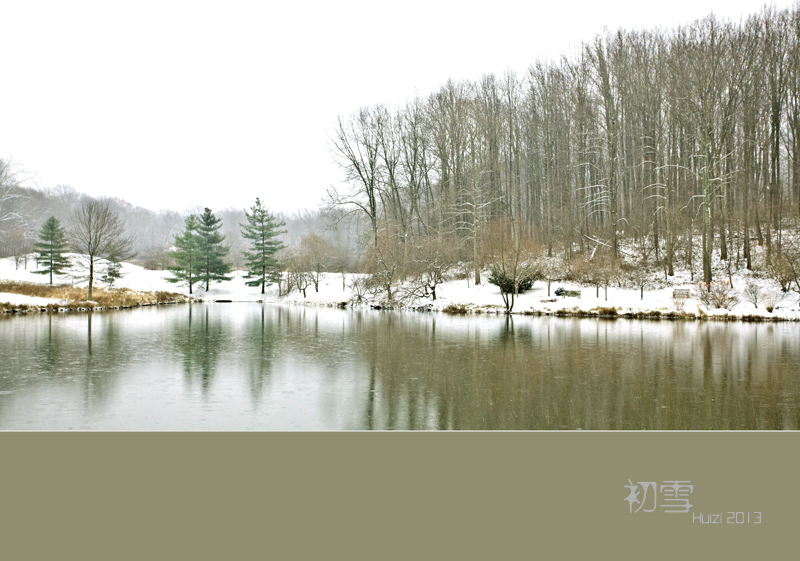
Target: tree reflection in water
{"x": 262, "y": 366}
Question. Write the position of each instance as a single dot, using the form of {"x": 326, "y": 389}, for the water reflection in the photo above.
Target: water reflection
{"x": 261, "y": 343}
{"x": 269, "y": 367}
{"x": 197, "y": 343}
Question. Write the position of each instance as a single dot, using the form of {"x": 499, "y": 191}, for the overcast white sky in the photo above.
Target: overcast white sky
{"x": 173, "y": 104}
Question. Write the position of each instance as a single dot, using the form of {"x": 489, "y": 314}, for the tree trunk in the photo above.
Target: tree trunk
{"x": 708, "y": 232}
{"x": 91, "y": 277}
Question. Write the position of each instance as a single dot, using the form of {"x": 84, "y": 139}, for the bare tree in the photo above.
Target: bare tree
{"x": 609, "y": 90}
{"x": 510, "y": 258}
{"x": 317, "y": 254}
{"x": 431, "y": 260}
{"x": 356, "y": 150}
{"x": 15, "y": 227}
{"x": 385, "y": 265}
{"x": 18, "y": 245}
{"x": 550, "y": 269}
{"x": 9, "y": 184}
{"x": 600, "y": 272}
{"x": 97, "y": 232}
{"x": 297, "y": 272}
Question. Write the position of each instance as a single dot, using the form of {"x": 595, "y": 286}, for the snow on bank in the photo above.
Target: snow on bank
{"x": 21, "y": 299}
{"x": 457, "y": 293}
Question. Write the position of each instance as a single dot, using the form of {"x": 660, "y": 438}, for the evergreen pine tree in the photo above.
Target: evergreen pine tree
{"x": 212, "y": 266}
{"x": 262, "y": 229}
{"x": 187, "y": 254}
{"x": 113, "y": 270}
{"x": 51, "y": 249}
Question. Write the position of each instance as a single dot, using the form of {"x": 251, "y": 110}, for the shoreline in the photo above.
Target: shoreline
{"x": 473, "y": 309}
{"x": 23, "y": 293}
{"x": 598, "y": 311}
{"x": 605, "y": 314}
{"x": 63, "y": 308}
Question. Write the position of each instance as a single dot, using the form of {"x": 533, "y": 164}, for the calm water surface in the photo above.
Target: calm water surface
{"x": 270, "y": 367}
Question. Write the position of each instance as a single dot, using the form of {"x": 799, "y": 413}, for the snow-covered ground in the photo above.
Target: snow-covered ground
{"x": 460, "y": 293}
{"x": 10, "y": 298}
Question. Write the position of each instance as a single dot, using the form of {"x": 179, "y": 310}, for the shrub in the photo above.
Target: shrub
{"x": 679, "y": 299}
{"x": 781, "y": 270}
{"x": 605, "y": 311}
{"x": 506, "y": 284}
{"x": 753, "y": 292}
{"x": 561, "y": 291}
{"x": 717, "y": 295}
{"x": 359, "y": 287}
{"x": 772, "y": 299}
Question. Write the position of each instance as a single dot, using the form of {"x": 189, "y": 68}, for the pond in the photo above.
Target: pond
{"x": 247, "y": 366}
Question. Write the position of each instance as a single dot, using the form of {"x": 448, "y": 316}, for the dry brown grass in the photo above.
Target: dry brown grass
{"x": 102, "y": 298}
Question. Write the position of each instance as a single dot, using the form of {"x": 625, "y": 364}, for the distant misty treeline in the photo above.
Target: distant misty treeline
{"x": 658, "y": 136}
{"x": 24, "y": 210}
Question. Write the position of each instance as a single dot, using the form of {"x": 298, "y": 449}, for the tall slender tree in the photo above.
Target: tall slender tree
{"x": 50, "y": 251}
{"x": 212, "y": 265}
{"x": 263, "y": 231}
{"x": 187, "y": 254}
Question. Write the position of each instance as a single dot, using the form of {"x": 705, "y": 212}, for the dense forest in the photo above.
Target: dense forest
{"x": 657, "y": 148}
{"x": 645, "y": 150}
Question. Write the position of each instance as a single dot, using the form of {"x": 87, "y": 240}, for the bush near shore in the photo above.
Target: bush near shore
{"x": 74, "y": 298}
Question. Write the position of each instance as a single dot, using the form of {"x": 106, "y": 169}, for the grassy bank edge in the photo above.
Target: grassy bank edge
{"x": 74, "y": 298}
